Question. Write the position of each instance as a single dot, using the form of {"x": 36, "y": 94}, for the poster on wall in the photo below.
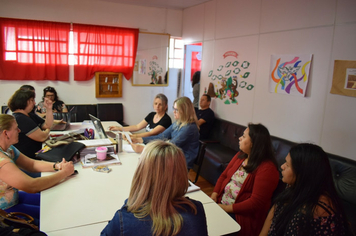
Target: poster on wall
{"x": 289, "y": 74}
{"x": 344, "y": 78}
{"x": 229, "y": 78}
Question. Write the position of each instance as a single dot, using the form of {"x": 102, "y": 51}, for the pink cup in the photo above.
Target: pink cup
{"x": 101, "y": 153}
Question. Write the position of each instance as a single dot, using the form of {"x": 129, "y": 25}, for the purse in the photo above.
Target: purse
{"x": 17, "y": 220}
{"x": 64, "y": 139}
{"x": 70, "y": 152}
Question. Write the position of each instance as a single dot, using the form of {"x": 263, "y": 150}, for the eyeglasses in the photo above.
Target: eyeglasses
{"x": 49, "y": 89}
{"x": 175, "y": 109}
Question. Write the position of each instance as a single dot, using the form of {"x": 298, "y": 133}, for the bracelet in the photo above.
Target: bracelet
{"x": 54, "y": 166}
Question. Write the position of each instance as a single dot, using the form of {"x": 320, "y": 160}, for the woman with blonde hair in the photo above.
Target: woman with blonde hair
{"x": 154, "y": 123}
{"x": 184, "y": 132}
{"x": 156, "y": 204}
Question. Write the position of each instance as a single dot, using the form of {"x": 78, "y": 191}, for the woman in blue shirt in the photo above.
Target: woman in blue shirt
{"x": 184, "y": 132}
{"x": 156, "y": 204}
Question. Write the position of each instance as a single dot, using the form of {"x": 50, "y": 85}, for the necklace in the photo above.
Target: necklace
{"x": 6, "y": 153}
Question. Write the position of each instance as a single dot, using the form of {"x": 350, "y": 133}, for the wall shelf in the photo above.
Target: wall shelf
{"x": 108, "y": 84}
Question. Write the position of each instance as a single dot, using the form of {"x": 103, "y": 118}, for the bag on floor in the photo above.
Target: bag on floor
{"x": 16, "y": 220}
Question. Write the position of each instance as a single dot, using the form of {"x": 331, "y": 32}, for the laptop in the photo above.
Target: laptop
{"x": 65, "y": 124}
{"x": 100, "y": 129}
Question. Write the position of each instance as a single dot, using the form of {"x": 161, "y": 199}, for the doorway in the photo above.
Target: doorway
{"x": 192, "y": 63}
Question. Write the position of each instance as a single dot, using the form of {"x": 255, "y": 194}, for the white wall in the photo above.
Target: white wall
{"x": 257, "y": 29}
{"x": 148, "y": 19}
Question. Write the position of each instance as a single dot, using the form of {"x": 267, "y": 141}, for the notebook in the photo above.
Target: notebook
{"x": 100, "y": 129}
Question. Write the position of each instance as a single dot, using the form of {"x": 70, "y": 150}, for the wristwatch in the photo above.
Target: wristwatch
{"x": 54, "y": 166}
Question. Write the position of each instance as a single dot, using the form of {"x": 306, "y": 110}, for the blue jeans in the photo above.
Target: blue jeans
{"x": 29, "y": 203}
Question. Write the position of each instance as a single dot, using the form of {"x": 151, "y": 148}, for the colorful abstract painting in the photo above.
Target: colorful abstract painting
{"x": 289, "y": 74}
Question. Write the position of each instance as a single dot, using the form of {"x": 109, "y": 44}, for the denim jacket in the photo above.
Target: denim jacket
{"x": 186, "y": 137}
{"x": 125, "y": 223}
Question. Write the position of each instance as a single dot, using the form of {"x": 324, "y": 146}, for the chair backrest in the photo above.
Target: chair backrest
{"x": 199, "y": 159}
{"x": 110, "y": 112}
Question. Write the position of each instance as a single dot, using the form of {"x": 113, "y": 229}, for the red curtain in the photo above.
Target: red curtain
{"x": 33, "y": 50}
{"x": 103, "y": 49}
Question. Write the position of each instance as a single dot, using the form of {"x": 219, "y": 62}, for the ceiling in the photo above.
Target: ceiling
{"x": 171, "y": 4}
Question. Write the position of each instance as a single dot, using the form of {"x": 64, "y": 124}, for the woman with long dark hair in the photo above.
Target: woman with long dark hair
{"x": 245, "y": 188}
{"x": 58, "y": 105}
{"x": 309, "y": 205}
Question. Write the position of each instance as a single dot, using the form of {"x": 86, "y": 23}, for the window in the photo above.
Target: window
{"x": 176, "y": 53}
{"x": 104, "y": 49}
{"x": 38, "y": 50}
{"x": 34, "y": 50}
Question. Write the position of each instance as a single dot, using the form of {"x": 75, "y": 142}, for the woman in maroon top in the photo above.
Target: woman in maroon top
{"x": 246, "y": 186}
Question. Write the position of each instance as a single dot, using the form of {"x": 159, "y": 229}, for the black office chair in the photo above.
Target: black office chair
{"x": 199, "y": 159}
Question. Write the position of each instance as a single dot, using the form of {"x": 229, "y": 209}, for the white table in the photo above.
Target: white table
{"x": 83, "y": 204}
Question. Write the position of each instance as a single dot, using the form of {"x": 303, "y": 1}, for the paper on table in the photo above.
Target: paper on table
{"x": 96, "y": 142}
{"x": 192, "y": 187}
{"x": 127, "y": 148}
{"x": 127, "y": 135}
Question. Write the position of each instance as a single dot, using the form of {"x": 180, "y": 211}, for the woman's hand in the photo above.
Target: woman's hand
{"x": 226, "y": 208}
{"x": 115, "y": 128}
{"x": 214, "y": 196}
{"x": 67, "y": 167}
{"x": 137, "y": 147}
{"x": 48, "y": 104}
{"x": 137, "y": 140}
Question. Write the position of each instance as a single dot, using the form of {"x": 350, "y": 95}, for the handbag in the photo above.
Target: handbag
{"x": 17, "y": 220}
{"x": 64, "y": 139}
{"x": 70, "y": 152}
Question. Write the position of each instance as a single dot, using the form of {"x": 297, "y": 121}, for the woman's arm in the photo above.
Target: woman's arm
{"x": 32, "y": 165}
{"x": 157, "y": 130}
{"x": 132, "y": 128}
{"x": 268, "y": 222}
{"x": 49, "y": 114}
{"x": 39, "y": 135}
{"x": 16, "y": 178}
{"x": 64, "y": 108}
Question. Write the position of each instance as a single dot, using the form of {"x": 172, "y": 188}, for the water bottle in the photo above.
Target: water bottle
{"x": 119, "y": 142}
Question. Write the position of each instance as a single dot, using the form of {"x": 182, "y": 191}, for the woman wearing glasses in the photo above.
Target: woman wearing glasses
{"x": 51, "y": 94}
{"x": 184, "y": 132}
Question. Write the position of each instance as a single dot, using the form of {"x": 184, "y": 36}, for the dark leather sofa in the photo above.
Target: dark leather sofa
{"x": 222, "y": 145}
{"x": 104, "y": 111}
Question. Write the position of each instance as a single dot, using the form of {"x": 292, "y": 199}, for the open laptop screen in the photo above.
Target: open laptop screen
{"x": 98, "y": 127}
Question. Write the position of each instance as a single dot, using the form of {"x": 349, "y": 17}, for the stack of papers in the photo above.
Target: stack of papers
{"x": 88, "y": 157}
{"x": 96, "y": 142}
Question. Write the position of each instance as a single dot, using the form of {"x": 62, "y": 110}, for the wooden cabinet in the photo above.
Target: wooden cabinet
{"x": 108, "y": 84}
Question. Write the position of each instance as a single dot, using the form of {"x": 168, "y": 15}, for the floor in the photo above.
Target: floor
{"x": 204, "y": 185}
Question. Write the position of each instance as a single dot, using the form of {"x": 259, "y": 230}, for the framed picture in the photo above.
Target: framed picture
{"x": 108, "y": 84}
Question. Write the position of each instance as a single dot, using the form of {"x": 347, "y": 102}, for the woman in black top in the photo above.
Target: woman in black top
{"x": 310, "y": 204}
{"x": 155, "y": 122}
{"x": 58, "y": 105}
